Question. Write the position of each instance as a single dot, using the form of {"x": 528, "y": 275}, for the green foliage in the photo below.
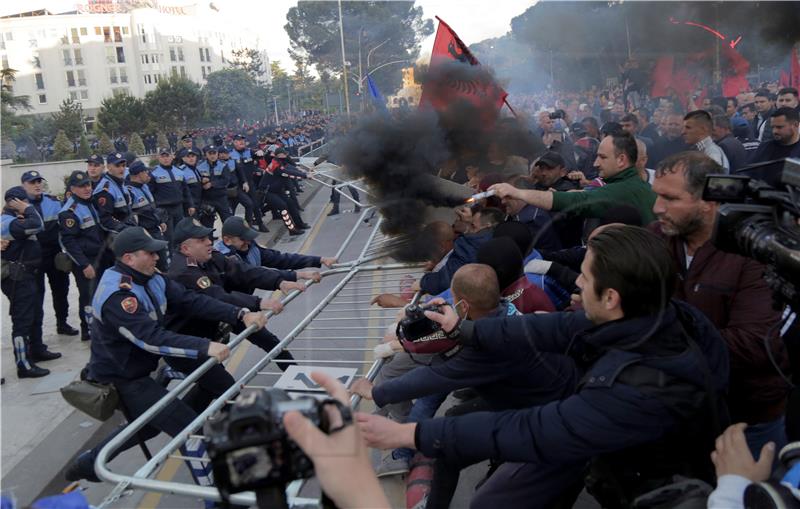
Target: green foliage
{"x": 249, "y": 60}
{"x": 69, "y": 118}
{"x": 176, "y": 103}
{"x": 136, "y": 145}
{"x": 121, "y": 114}
{"x": 84, "y": 150}
{"x": 10, "y": 123}
{"x": 230, "y": 94}
{"x": 105, "y": 146}
{"x": 162, "y": 140}
{"x": 62, "y": 147}
{"x": 8, "y": 149}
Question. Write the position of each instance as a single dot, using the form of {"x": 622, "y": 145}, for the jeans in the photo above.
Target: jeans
{"x": 423, "y": 408}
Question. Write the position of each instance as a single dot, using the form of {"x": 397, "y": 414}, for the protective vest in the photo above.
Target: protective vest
{"x": 189, "y": 175}
{"x": 87, "y": 216}
{"x": 49, "y": 207}
{"x": 253, "y": 254}
{"x": 140, "y": 196}
{"x": 162, "y": 175}
{"x": 110, "y": 284}
{"x": 117, "y": 192}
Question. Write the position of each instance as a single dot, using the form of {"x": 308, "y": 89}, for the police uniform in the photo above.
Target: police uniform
{"x": 191, "y": 177}
{"x": 215, "y": 178}
{"x": 21, "y": 260}
{"x": 95, "y": 159}
{"x": 143, "y": 206}
{"x": 129, "y": 300}
{"x": 48, "y": 207}
{"x": 247, "y": 172}
{"x": 276, "y": 193}
{"x": 225, "y": 278}
{"x": 83, "y": 240}
{"x": 170, "y": 192}
{"x": 112, "y": 201}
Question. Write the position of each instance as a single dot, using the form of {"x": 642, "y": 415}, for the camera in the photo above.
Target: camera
{"x": 248, "y": 445}
{"x": 778, "y": 495}
{"x": 419, "y": 334}
{"x": 758, "y": 218}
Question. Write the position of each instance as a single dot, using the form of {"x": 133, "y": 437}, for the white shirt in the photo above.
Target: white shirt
{"x": 712, "y": 150}
{"x": 729, "y": 493}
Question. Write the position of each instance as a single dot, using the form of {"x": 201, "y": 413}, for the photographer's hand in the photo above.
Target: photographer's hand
{"x": 362, "y": 387}
{"x": 341, "y": 460}
{"x": 382, "y": 433}
{"x": 732, "y": 456}
{"x": 448, "y": 318}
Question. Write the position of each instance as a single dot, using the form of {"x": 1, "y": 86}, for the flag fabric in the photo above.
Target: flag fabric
{"x": 737, "y": 67}
{"x": 794, "y": 75}
{"x": 375, "y": 94}
{"x": 444, "y": 86}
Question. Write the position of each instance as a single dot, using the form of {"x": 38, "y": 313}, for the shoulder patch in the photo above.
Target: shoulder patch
{"x": 204, "y": 282}
{"x": 101, "y": 201}
{"x": 126, "y": 282}
{"x": 69, "y": 223}
{"x": 191, "y": 261}
{"x": 130, "y": 304}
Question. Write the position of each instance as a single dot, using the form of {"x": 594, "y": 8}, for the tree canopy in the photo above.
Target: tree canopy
{"x": 230, "y": 94}
{"x": 176, "y": 103}
{"x": 121, "y": 114}
{"x": 69, "y": 118}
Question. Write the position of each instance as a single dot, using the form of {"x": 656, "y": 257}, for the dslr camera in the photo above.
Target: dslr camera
{"x": 778, "y": 495}
{"x": 248, "y": 445}
{"x": 758, "y": 218}
{"x": 418, "y": 334}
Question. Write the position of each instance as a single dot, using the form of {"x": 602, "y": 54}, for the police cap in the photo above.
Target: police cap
{"x": 280, "y": 151}
{"x": 189, "y": 151}
{"x": 222, "y": 148}
{"x": 95, "y": 159}
{"x": 239, "y": 136}
{"x": 137, "y": 167}
{"x": 164, "y": 151}
{"x": 190, "y": 228}
{"x": 78, "y": 178}
{"x": 236, "y": 226}
{"x": 186, "y": 137}
{"x": 115, "y": 158}
{"x": 17, "y": 192}
{"x": 210, "y": 148}
{"x": 135, "y": 238}
{"x": 30, "y": 176}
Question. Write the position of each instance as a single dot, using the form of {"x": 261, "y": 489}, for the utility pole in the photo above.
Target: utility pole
{"x": 275, "y": 104}
{"x": 360, "y": 72}
{"x": 344, "y": 63}
{"x": 289, "y": 92}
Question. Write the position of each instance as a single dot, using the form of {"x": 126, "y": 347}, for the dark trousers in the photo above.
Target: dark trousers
{"x": 85, "y": 292}
{"x": 251, "y": 213}
{"x": 217, "y": 205}
{"x": 172, "y": 215}
{"x": 59, "y": 286}
{"x": 266, "y": 341}
{"x": 336, "y": 196}
{"x": 279, "y": 203}
{"x": 23, "y": 297}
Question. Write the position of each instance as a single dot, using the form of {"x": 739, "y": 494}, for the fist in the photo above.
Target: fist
{"x": 271, "y": 305}
{"x": 254, "y": 318}
{"x": 328, "y": 262}
{"x": 288, "y": 286}
{"x": 218, "y": 351}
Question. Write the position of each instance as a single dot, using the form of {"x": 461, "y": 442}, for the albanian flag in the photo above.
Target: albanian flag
{"x": 455, "y": 74}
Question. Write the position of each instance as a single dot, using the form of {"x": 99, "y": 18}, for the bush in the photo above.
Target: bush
{"x": 62, "y": 147}
{"x": 136, "y": 145}
{"x": 84, "y": 150}
{"x": 162, "y": 140}
{"x": 105, "y": 147}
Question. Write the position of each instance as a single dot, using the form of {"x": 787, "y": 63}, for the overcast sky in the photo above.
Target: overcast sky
{"x": 473, "y": 20}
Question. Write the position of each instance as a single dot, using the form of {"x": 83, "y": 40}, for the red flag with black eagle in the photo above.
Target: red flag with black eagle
{"x": 454, "y": 73}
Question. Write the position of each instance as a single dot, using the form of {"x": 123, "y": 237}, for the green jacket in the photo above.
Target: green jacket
{"x": 624, "y": 188}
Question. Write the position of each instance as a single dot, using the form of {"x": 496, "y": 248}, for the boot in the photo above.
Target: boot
{"x": 25, "y": 366}
{"x": 357, "y": 209}
{"x": 263, "y": 228}
{"x": 82, "y": 467}
{"x": 45, "y": 355}
{"x": 334, "y": 211}
{"x": 66, "y": 329}
{"x": 85, "y": 336}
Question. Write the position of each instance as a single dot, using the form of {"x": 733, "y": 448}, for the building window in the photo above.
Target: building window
{"x": 117, "y": 35}
{"x": 154, "y": 57}
{"x": 172, "y": 57}
{"x": 112, "y": 75}
{"x": 106, "y": 34}
{"x": 84, "y": 31}
{"x": 67, "y": 57}
{"x": 81, "y": 78}
{"x": 120, "y": 55}
{"x": 155, "y": 78}
{"x": 78, "y": 57}
{"x": 203, "y": 71}
{"x": 180, "y": 53}
{"x": 183, "y": 72}
{"x": 70, "y": 79}
{"x": 124, "y": 30}
{"x": 36, "y": 62}
{"x": 111, "y": 55}
{"x": 73, "y": 95}
{"x": 208, "y": 55}
{"x": 202, "y": 55}
{"x": 98, "y": 31}
{"x": 174, "y": 70}
{"x": 147, "y": 79}
{"x": 84, "y": 95}
{"x": 39, "y": 81}
{"x": 145, "y": 59}
{"x": 123, "y": 75}
{"x": 42, "y": 99}
{"x": 9, "y": 36}
{"x": 76, "y": 39}
{"x": 5, "y": 62}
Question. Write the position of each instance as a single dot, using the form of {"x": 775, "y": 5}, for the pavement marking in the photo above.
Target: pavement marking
{"x": 167, "y": 473}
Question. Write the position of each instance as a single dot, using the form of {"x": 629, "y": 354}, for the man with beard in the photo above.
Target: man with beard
{"x": 785, "y": 140}
{"x": 672, "y": 141}
{"x": 730, "y": 290}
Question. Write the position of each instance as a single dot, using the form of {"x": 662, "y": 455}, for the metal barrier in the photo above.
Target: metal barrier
{"x": 307, "y": 148}
{"x": 361, "y": 279}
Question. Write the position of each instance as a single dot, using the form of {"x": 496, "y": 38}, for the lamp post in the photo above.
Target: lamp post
{"x": 344, "y": 63}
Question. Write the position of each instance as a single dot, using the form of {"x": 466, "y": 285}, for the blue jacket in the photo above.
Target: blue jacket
{"x": 81, "y": 235}
{"x": 260, "y": 256}
{"x": 113, "y": 203}
{"x": 169, "y": 187}
{"x": 217, "y": 174}
{"x": 540, "y": 225}
{"x": 465, "y": 250}
{"x": 604, "y": 416}
{"x": 24, "y": 248}
{"x": 48, "y": 206}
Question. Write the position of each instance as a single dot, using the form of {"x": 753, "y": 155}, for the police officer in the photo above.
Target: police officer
{"x": 239, "y": 240}
{"x": 249, "y": 176}
{"x": 83, "y": 240}
{"x": 274, "y": 186}
{"x": 214, "y": 177}
{"x": 235, "y": 191}
{"x": 133, "y": 297}
{"x": 199, "y": 268}
{"x": 21, "y": 260}
{"x": 94, "y": 167}
{"x": 111, "y": 199}
{"x": 170, "y": 191}
{"x": 143, "y": 206}
{"x": 191, "y": 177}
{"x": 48, "y": 206}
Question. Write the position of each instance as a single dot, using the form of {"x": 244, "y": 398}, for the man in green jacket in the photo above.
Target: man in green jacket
{"x": 616, "y": 156}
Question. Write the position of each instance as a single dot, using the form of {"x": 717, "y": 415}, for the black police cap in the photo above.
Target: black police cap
{"x": 30, "y": 176}
{"x": 135, "y": 238}
{"x": 78, "y": 178}
{"x": 190, "y": 228}
{"x": 95, "y": 159}
{"x": 236, "y": 226}
{"x": 17, "y": 192}
{"x": 137, "y": 167}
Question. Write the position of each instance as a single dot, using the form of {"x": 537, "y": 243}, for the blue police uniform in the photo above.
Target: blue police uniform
{"x": 113, "y": 203}
{"x": 21, "y": 266}
{"x": 217, "y": 175}
{"x": 171, "y": 194}
{"x": 148, "y": 215}
{"x": 260, "y": 256}
{"x": 48, "y": 207}
{"x": 274, "y": 185}
{"x": 246, "y": 172}
{"x": 83, "y": 240}
{"x": 192, "y": 179}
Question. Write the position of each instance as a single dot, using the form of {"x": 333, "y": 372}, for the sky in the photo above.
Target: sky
{"x": 471, "y": 19}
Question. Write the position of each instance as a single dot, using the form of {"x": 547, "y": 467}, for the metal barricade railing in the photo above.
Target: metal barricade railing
{"x": 310, "y": 147}
{"x": 359, "y": 276}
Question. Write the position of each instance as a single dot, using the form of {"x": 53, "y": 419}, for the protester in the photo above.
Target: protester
{"x": 785, "y": 141}
{"x": 723, "y": 137}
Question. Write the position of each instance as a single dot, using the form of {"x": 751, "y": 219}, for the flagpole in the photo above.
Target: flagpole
{"x": 344, "y": 63}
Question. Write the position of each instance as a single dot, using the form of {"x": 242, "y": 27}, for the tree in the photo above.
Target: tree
{"x": 69, "y": 118}
{"x": 394, "y": 28}
{"x": 136, "y": 145}
{"x": 105, "y": 146}
{"x": 10, "y": 104}
{"x": 84, "y": 150}
{"x": 62, "y": 147}
{"x": 230, "y": 94}
{"x": 121, "y": 114}
{"x": 162, "y": 140}
{"x": 249, "y": 60}
{"x": 176, "y": 103}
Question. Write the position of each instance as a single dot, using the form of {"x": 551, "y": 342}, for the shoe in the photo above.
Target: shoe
{"x": 304, "y": 226}
{"x": 46, "y": 355}
{"x": 465, "y": 394}
{"x": 85, "y": 336}
{"x": 34, "y": 372}
{"x": 334, "y": 211}
{"x": 296, "y": 232}
{"x": 263, "y": 228}
{"x": 390, "y": 466}
{"x": 357, "y": 209}
{"x": 67, "y": 330}
{"x": 81, "y": 467}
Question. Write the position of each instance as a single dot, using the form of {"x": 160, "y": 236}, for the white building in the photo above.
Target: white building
{"x": 107, "y": 47}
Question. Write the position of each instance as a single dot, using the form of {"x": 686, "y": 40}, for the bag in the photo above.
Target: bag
{"x": 95, "y": 399}
{"x": 63, "y": 262}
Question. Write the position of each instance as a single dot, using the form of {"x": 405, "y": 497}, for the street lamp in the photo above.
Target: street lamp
{"x": 344, "y": 63}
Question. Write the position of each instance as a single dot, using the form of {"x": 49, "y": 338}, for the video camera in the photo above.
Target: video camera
{"x": 758, "y": 218}
{"x": 249, "y": 448}
{"x": 418, "y": 334}
{"x": 778, "y": 495}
